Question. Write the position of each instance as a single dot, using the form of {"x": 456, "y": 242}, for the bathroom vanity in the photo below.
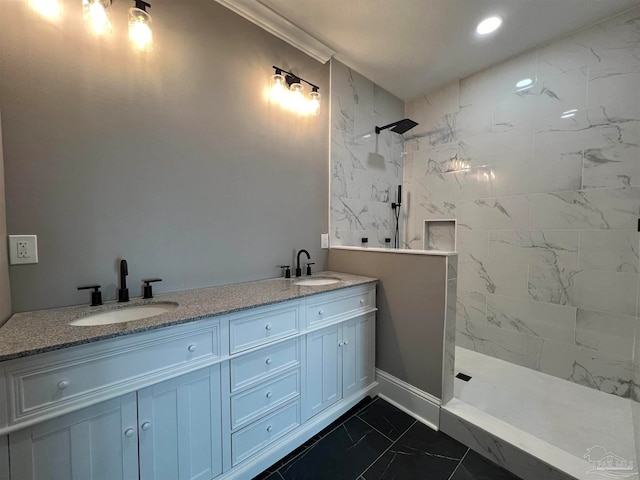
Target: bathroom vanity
{"x": 193, "y": 395}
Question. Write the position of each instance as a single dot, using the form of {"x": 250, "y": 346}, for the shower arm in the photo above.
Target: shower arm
{"x": 379, "y": 129}
{"x": 400, "y": 127}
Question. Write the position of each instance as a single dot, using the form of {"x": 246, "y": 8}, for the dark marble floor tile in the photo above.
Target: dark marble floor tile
{"x": 342, "y": 455}
{"x": 362, "y": 404}
{"x": 386, "y": 418}
{"x": 418, "y": 454}
{"x": 295, "y": 453}
{"x": 268, "y": 476}
{"x": 476, "y": 467}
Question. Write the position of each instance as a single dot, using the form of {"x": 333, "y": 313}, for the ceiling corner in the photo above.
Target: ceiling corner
{"x": 264, "y": 17}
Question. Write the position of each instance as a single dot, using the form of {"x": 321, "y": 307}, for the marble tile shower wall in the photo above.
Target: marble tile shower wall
{"x": 366, "y": 168}
{"x": 635, "y": 398}
{"x": 544, "y": 183}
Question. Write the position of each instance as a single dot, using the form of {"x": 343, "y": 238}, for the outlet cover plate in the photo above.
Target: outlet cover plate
{"x": 324, "y": 240}
{"x": 23, "y": 249}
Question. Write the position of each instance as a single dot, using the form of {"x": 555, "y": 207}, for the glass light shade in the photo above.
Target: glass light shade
{"x": 140, "y": 33}
{"x": 314, "y": 103}
{"x": 296, "y": 98}
{"x": 97, "y": 15}
{"x": 278, "y": 89}
{"x": 49, "y": 9}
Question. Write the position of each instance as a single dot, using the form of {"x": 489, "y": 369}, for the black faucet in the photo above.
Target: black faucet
{"x": 123, "y": 291}
{"x": 298, "y": 269}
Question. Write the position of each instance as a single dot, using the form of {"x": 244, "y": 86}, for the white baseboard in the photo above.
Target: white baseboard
{"x": 421, "y": 405}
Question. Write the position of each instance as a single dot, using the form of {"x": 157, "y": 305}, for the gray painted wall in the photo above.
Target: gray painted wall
{"x": 173, "y": 160}
{"x": 411, "y": 311}
{"x": 5, "y": 291}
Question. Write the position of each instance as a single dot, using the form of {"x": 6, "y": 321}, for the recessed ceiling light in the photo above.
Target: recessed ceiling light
{"x": 525, "y": 82}
{"x": 489, "y": 25}
{"x": 569, "y": 113}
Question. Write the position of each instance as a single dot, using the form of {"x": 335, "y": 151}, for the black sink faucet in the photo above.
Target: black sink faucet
{"x": 123, "y": 291}
{"x": 298, "y": 269}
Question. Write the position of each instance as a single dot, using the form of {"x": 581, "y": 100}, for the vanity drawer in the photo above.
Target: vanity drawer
{"x": 60, "y": 379}
{"x": 254, "y": 367}
{"x": 342, "y": 304}
{"x": 252, "y": 330}
{"x": 250, "y": 440}
{"x": 249, "y": 405}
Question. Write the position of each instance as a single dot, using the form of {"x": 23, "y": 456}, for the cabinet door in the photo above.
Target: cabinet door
{"x": 4, "y": 458}
{"x": 98, "y": 442}
{"x": 357, "y": 354}
{"x": 180, "y": 427}
{"x": 324, "y": 370}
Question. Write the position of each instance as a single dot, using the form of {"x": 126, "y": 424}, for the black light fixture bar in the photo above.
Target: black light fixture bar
{"x": 141, "y": 5}
{"x": 293, "y": 78}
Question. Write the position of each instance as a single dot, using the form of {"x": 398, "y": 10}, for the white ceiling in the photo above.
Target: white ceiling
{"x": 411, "y": 47}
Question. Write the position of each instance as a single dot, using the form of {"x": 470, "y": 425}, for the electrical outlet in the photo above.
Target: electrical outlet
{"x": 324, "y": 240}
{"x": 23, "y": 249}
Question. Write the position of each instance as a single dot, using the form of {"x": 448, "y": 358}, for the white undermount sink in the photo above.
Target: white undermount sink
{"x": 126, "y": 314}
{"x": 317, "y": 281}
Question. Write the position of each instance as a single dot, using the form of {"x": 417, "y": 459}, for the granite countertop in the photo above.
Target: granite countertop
{"x": 30, "y": 333}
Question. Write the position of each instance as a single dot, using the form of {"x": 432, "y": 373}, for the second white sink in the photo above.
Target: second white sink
{"x": 126, "y": 314}
{"x": 317, "y": 281}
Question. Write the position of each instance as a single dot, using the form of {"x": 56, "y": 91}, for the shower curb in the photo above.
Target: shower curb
{"x": 499, "y": 450}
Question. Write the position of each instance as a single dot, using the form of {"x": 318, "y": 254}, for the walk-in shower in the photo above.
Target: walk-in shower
{"x": 544, "y": 188}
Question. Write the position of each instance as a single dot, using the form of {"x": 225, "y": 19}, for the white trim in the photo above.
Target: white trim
{"x": 435, "y": 253}
{"x": 421, "y": 405}
{"x": 258, "y": 13}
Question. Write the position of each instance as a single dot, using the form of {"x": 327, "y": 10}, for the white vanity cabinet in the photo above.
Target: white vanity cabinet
{"x": 179, "y": 424}
{"x": 340, "y": 361}
{"x": 169, "y": 430}
{"x": 4, "y": 457}
{"x": 340, "y": 346}
{"x": 97, "y": 442}
{"x": 222, "y": 397}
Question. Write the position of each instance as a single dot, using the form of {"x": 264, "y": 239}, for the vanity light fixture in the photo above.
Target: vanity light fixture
{"x": 287, "y": 91}
{"x": 489, "y": 25}
{"x": 50, "y": 9}
{"x": 97, "y": 15}
{"x": 140, "y": 26}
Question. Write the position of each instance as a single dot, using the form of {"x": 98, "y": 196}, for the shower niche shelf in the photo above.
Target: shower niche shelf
{"x": 440, "y": 235}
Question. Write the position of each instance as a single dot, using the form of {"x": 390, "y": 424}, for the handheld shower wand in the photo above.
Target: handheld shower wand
{"x": 395, "y": 206}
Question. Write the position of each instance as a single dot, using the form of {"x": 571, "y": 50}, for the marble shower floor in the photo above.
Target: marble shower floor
{"x": 377, "y": 441}
{"x": 560, "y": 413}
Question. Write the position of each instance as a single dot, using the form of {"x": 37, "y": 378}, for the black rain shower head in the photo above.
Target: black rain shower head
{"x": 400, "y": 126}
